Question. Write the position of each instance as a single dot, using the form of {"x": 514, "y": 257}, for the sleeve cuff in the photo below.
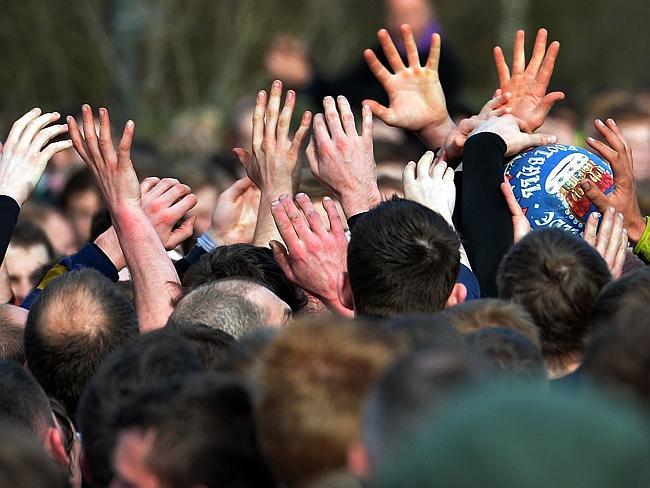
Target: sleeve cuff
{"x": 642, "y": 248}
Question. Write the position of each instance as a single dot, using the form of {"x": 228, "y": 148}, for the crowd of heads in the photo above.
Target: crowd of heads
{"x": 312, "y": 317}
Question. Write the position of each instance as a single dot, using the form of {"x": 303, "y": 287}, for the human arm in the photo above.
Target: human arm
{"x": 273, "y": 163}
{"x": 344, "y": 161}
{"x": 314, "y": 257}
{"x": 154, "y": 278}
{"x": 529, "y": 102}
{"x": 416, "y": 98}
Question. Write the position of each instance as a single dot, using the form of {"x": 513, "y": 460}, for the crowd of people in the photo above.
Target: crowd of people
{"x": 328, "y": 314}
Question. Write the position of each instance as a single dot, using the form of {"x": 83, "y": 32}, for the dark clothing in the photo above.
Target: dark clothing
{"x": 486, "y": 222}
{"x": 9, "y": 210}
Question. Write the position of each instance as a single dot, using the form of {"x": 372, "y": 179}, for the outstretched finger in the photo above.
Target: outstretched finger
{"x": 272, "y": 112}
{"x": 617, "y": 269}
{"x": 180, "y": 235}
{"x": 105, "y": 136}
{"x": 548, "y": 64}
{"x": 595, "y": 195}
{"x": 494, "y": 104}
{"x": 390, "y": 51}
{"x": 46, "y": 135}
{"x": 333, "y": 118}
{"x": 285, "y": 116}
{"x": 611, "y": 123}
{"x": 281, "y": 256}
{"x": 258, "y": 121}
{"x": 148, "y": 184}
{"x": 347, "y": 117}
{"x": 439, "y": 170}
{"x": 312, "y": 157}
{"x": 411, "y": 47}
{"x": 615, "y": 240}
{"x": 55, "y": 148}
{"x": 19, "y": 126}
{"x": 511, "y": 200}
{"x": 519, "y": 53}
{"x": 78, "y": 141}
{"x": 408, "y": 176}
{"x": 376, "y": 67}
{"x": 90, "y": 134}
{"x": 300, "y": 135}
{"x": 124, "y": 148}
{"x": 336, "y": 225}
{"x": 591, "y": 228}
{"x": 502, "y": 66}
{"x": 434, "y": 53}
{"x": 32, "y": 130}
{"x": 424, "y": 165}
{"x": 310, "y": 212}
{"x": 382, "y": 112}
{"x": 538, "y": 52}
{"x": 367, "y": 125}
{"x": 605, "y": 231}
{"x": 296, "y": 217}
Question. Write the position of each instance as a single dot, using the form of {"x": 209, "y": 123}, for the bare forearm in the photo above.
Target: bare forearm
{"x": 433, "y": 136}
{"x": 155, "y": 280}
{"x": 265, "y": 229}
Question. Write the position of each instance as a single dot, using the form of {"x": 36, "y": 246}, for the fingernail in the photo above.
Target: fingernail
{"x": 619, "y": 215}
{"x": 552, "y": 139}
{"x": 277, "y": 84}
{"x": 102, "y": 111}
{"x": 290, "y": 95}
{"x": 611, "y": 210}
{"x": 591, "y": 139}
{"x": 283, "y": 197}
{"x": 600, "y": 122}
{"x": 275, "y": 203}
{"x": 260, "y": 94}
{"x": 613, "y": 122}
{"x": 301, "y": 195}
{"x": 327, "y": 199}
{"x": 130, "y": 124}
{"x": 68, "y": 119}
{"x": 596, "y": 215}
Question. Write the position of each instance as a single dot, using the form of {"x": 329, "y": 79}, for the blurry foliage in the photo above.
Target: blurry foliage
{"x": 151, "y": 59}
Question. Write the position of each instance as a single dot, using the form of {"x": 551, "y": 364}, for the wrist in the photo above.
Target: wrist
{"x": 16, "y": 196}
{"x": 636, "y": 228}
{"x": 434, "y": 135}
{"x": 110, "y": 246}
{"x": 360, "y": 201}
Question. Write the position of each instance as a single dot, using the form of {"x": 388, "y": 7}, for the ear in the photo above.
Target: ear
{"x": 55, "y": 446}
{"x": 344, "y": 290}
{"x": 358, "y": 461}
{"x": 457, "y": 296}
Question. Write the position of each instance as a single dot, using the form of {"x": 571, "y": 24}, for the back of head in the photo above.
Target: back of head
{"x": 12, "y": 324}
{"x": 75, "y": 323}
{"x": 204, "y": 436}
{"x": 403, "y": 258}
{"x": 309, "y": 403}
{"x": 425, "y": 331}
{"x": 411, "y": 388}
{"x": 473, "y": 316}
{"x": 210, "y": 345}
{"x": 144, "y": 361}
{"x": 513, "y": 355}
{"x": 24, "y": 403}
{"x": 24, "y": 462}
{"x": 223, "y": 305}
{"x": 509, "y": 436}
{"x": 556, "y": 276}
{"x": 618, "y": 357}
{"x": 247, "y": 262}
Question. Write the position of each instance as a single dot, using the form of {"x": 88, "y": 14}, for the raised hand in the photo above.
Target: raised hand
{"x": 314, "y": 257}
{"x": 235, "y": 215}
{"x": 516, "y": 141}
{"x": 431, "y": 185}
{"x": 344, "y": 161}
{"x": 273, "y": 164}
{"x": 617, "y": 152}
{"x": 166, "y": 202}
{"x": 609, "y": 239}
{"x": 452, "y": 148}
{"x": 528, "y": 84}
{"x": 416, "y": 99}
{"x": 520, "y": 225}
{"x": 25, "y": 154}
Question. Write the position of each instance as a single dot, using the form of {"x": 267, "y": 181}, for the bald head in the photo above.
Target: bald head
{"x": 74, "y": 324}
{"x": 234, "y": 306}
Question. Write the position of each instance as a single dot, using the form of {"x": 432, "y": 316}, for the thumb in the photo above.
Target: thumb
{"x": 377, "y": 109}
{"x": 243, "y": 156}
{"x": 537, "y": 139}
{"x": 281, "y": 257}
{"x": 184, "y": 232}
{"x": 593, "y": 193}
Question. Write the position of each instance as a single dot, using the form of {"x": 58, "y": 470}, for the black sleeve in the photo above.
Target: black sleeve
{"x": 9, "y": 211}
{"x": 486, "y": 222}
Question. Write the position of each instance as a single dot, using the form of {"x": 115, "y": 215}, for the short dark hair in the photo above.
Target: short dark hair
{"x": 403, "y": 258}
{"x": 205, "y": 435}
{"x": 24, "y": 402}
{"x": 144, "y": 361}
{"x": 410, "y": 390}
{"x": 221, "y": 305}
{"x": 24, "y": 462}
{"x": 248, "y": 262}
{"x": 80, "y": 181}
{"x": 28, "y": 234}
{"x": 209, "y": 344}
{"x": 425, "y": 331}
{"x": 74, "y": 324}
{"x": 11, "y": 336}
{"x": 513, "y": 355}
{"x": 556, "y": 276}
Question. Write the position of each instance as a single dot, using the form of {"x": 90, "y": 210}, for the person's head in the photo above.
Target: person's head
{"x": 618, "y": 357}
{"x": 425, "y": 331}
{"x": 248, "y": 262}
{"x": 473, "y": 316}
{"x": 309, "y": 401}
{"x": 403, "y": 258}
{"x": 80, "y": 200}
{"x": 209, "y": 344}
{"x": 144, "y": 361}
{"x": 24, "y": 462}
{"x": 197, "y": 433}
{"x": 25, "y": 405}
{"x": 12, "y": 324}
{"x": 409, "y": 390}
{"x": 206, "y": 184}
{"x": 74, "y": 324}
{"x": 28, "y": 251}
{"x": 511, "y": 354}
{"x": 245, "y": 356}
{"x": 235, "y": 306}
{"x": 56, "y": 226}
{"x": 556, "y": 276}
{"x": 514, "y": 436}
{"x": 417, "y": 13}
